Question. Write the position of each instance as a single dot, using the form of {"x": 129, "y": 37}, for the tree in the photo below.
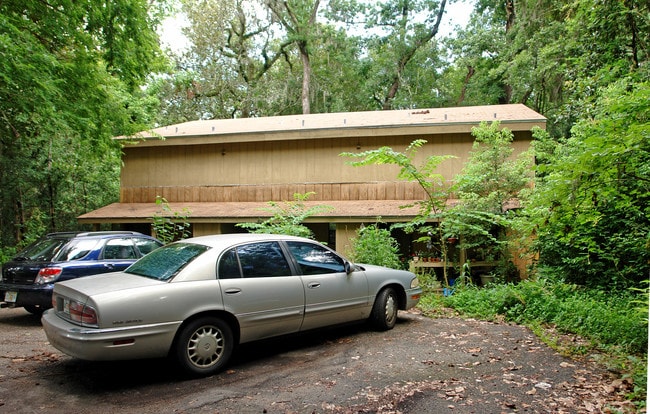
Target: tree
{"x": 432, "y": 210}
{"x": 67, "y": 86}
{"x": 234, "y": 45}
{"x": 551, "y": 55}
{"x": 298, "y": 18}
{"x": 407, "y": 27}
{"x": 490, "y": 185}
{"x": 591, "y": 203}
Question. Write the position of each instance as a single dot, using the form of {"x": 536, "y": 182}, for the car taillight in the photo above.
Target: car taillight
{"x": 48, "y": 275}
{"x": 81, "y": 313}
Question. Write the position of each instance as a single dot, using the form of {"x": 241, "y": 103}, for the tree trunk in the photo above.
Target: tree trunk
{"x": 470, "y": 73}
{"x": 306, "y": 77}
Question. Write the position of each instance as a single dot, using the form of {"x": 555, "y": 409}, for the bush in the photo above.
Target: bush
{"x": 375, "y": 246}
{"x": 606, "y": 318}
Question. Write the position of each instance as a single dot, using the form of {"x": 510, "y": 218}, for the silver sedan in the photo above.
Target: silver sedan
{"x": 196, "y": 299}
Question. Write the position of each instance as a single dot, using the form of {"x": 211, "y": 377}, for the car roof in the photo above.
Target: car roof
{"x": 223, "y": 240}
{"x": 72, "y": 234}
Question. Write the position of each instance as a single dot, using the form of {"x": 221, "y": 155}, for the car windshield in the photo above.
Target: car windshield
{"x": 43, "y": 250}
{"x": 164, "y": 263}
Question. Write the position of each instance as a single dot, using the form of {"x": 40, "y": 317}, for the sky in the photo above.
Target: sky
{"x": 456, "y": 13}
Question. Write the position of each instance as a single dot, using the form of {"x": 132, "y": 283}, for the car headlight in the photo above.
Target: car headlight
{"x": 415, "y": 282}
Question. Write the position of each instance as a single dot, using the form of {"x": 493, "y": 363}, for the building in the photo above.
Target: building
{"x": 224, "y": 172}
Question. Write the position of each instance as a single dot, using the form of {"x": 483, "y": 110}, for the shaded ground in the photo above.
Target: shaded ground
{"x": 422, "y": 366}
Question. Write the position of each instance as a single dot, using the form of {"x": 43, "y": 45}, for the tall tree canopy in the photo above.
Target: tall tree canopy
{"x": 69, "y": 78}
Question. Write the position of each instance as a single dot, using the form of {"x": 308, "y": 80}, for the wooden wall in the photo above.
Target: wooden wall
{"x": 276, "y": 170}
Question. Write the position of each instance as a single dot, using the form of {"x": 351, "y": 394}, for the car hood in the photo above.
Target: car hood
{"x": 107, "y": 282}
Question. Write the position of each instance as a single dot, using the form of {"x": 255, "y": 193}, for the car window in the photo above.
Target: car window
{"x": 146, "y": 246}
{"x": 164, "y": 263}
{"x": 43, "y": 250}
{"x": 119, "y": 249}
{"x": 229, "y": 265}
{"x": 76, "y": 249}
{"x": 263, "y": 259}
{"x": 314, "y": 259}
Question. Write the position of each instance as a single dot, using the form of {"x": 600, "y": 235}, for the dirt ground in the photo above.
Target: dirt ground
{"x": 445, "y": 365}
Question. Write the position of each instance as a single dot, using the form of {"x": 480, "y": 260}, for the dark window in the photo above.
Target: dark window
{"x": 229, "y": 265}
{"x": 314, "y": 259}
{"x": 44, "y": 250}
{"x": 263, "y": 260}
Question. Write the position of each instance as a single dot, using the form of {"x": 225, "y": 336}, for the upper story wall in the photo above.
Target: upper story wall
{"x": 272, "y": 158}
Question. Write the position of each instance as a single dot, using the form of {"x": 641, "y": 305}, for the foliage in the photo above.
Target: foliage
{"x": 375, "y": 245}
{"x": 591, "y": 206}
{"x": 490, "y": 180}
{"x": 398, "y": 55}
{"x": 607, "y": 318}
{"x": 69, "y": 81}
{"x": 287, "y": 217}
{"x": 169, "y": 225}
{"x": 432, "y": 209}
{"x": 268, "y": 57}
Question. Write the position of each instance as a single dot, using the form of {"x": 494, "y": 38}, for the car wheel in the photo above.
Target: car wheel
{"x": 204, "y": 346}
{"x": 384, "y": 311}
{"x": 34, "y": 310}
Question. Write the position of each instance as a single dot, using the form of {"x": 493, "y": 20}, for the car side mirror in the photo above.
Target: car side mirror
{"x": 349, "y": 268}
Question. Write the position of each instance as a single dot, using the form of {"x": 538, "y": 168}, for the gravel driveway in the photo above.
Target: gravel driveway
{"x": 424, "y": 365}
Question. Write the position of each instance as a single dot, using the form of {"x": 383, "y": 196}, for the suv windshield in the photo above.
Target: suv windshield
{"x": 167, "y": 261}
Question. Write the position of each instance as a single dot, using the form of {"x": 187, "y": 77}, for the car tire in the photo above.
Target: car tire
{"x": 204, "y": 346}
{"x": 34, "y": 310}
{"x": 384, "y": 311}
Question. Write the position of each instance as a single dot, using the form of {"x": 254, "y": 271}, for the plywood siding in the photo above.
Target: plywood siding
{"x": 275, "y": 170}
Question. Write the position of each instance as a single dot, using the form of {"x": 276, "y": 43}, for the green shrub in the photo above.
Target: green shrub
{"x": 606, "y": 318}
{"x": 375, "y": 246}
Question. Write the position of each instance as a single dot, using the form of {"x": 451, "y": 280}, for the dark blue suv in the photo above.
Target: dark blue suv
{"x": 28, "y": 279}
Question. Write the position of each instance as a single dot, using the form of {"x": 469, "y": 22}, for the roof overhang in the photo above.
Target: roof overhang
{"x": 235, "y": 212}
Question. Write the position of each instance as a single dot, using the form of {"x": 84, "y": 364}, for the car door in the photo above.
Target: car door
{"x": 118, "y": 254}
{"x": 331, "y": 295}
{"x": 259, "y": 288}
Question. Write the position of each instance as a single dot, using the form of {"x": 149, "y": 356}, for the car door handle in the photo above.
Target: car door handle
{"x": 108, "y": 266}
{"x": 233, "y": 291}
{"x": 313, "y": 285}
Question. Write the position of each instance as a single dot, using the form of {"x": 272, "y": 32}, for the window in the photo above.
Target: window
{"x": 314, "y": 259}
{"x": 76, "y": 249}
{"x": 146, "y": 246}
{"x": 119, "y": 249}
{"x": 229, "y": 265}
{"x": 164, "y": 263}
{"x": 255, "y": 260}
